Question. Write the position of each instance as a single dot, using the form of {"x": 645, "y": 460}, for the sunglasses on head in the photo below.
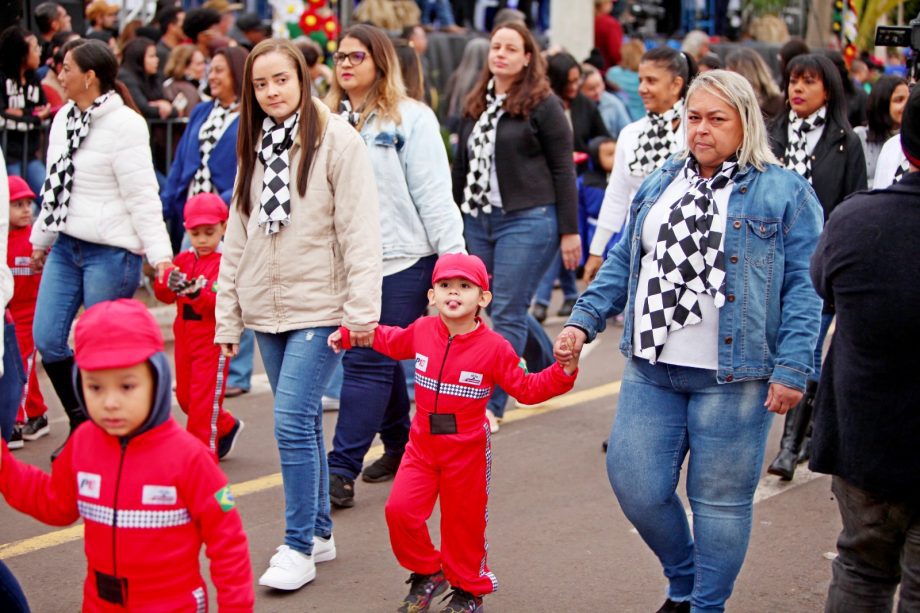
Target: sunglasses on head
{"x": 354, "y": 58}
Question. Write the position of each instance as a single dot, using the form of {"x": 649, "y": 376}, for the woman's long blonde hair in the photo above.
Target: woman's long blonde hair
{"x": 388, "y": 90}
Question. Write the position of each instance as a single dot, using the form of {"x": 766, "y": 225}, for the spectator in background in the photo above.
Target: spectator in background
{"x": 750, "y": 65}
{"x": 564, "y": 74}
{"x": 227, "y": 12}
{"x": 170, "y": 20}
{"x": 857, "y": 98}
{"x": 139, "y": 72}
{"x": 50, "y": 18}
{"x": 102, "y": 16}
{"x": 710, "y": 61}
{"x": 792, "y": 48}
{"x": 184, "y": 73}
{"x": 411, "y": 69}
{"x": 54, "y": 91}
{"x": 108, "y": 39}
{"x": 461, "y": 82}
{"x": 320, "y": 74}
{"x": 201, "y": 27}
{"x": 883, "y": 112}
{"x": 859, "y": 72}
{"x": 612, "y": 109}
{"x": 443, "y": 14}
{"x": 252, "y": 30}
{"x": 624, "y": 79}
{"x": 23, "y": 106}
{"x": 608, "y": 33}
{"x": 696, "y": 43}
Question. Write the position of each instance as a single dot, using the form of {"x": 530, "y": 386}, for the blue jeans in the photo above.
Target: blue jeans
{"x": 11, "y": 383}
{"x": 566, "y": 278}
{"x": 826, "y": 319}
{"x": 299, "y": 364}
{"x": 444, "y": 13}
{"x": 241, "y": 365}
{"x": 34, "y": 175}
{"x": 665, "y": 412}
{"x": 78, "y": 273}
{"x": 374, "y": 395}
{"x": 516, "y": 248}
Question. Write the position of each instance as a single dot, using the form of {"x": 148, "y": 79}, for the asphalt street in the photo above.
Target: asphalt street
{"x": 558, "y": 540}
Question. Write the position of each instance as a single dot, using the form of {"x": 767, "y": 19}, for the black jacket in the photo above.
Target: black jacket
{"x": 867, "y": 415}
{"x": 838, "y": 165}
{"x": 587, "y": 122}
{"x": 534, "y": 165}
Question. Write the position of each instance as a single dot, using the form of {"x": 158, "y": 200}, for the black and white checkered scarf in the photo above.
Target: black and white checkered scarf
{"x": 657, "y": 143}
{"x": 482, "y": 149}
{"x": 59, "y": 182}
{"x": 690, "y": 260}
{"x": 274, "y": 152}
{"x": 796, "y": 155}
{"x": 351, "y": 116}
{"x": 211, "y": 130}
{"x": 901, "y": 170}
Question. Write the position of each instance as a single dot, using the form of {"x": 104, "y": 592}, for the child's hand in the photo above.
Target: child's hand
{"x": 335, "y": 341}
{"x": 176, "y": 280}
{"x": 567, "y": 348}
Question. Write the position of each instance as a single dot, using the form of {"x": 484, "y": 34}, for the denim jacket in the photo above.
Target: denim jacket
{"x": 418, "y": 216}
{"x": 768, "y": 325}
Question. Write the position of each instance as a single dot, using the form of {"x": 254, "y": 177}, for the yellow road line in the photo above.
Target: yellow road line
{"x": 260, "y": 484}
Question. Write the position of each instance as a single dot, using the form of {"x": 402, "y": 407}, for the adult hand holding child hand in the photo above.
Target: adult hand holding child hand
{"x": 567, "y": 348}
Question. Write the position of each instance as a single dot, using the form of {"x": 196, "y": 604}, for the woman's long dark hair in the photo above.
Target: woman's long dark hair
{"x": 14, "y": 48}
{"x": 823, "y": 68}
{"x": 96, "y": 56}
{"x": 878, "y": 109}
{"x": 133, "y": 62}
{"x": 236, "y": 60}
{"x": 558, "y": 68}
{"x": 411, "y": 66}
{"x": 530, "y": 88}
{"x": 678, "y": 63}
{"x": 252, "y": 116}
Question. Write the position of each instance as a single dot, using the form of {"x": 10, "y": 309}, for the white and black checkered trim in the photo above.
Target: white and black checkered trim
{"x": 201, "y": 600}
{"x": 133, "y": 518}
{"x": 453, "y": 389}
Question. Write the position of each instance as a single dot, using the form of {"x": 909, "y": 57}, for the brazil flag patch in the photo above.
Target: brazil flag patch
{"x": 225, "y": 498}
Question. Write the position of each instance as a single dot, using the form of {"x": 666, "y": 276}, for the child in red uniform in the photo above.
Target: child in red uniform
{"x": 458, "y": 360}
{"x": 201, "y": 370}
{"x": 32, "y": 420}
{"x": 149, "y": 494}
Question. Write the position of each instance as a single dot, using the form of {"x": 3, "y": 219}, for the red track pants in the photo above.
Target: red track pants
{"x": 201, "y": 379}
{"x": 33, "y": 403}
{"x": 456, "y": 467}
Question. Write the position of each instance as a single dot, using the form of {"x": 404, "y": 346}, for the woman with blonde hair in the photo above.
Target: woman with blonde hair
{"x": 721, "y": 321}
{"x": 419, "y": 222}
{"x": 184, "y": 71}
{"x": 301, "y": 257}
{"x": 750, "y": 65}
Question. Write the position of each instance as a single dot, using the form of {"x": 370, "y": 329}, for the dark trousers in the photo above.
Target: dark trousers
{"x": 878, "y": 548}
{"x": 374, "y": 396}
{"x": 12, "y": 382}
{"x": 12, "y": 599}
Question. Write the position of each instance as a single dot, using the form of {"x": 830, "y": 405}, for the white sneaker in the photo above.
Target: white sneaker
{"x": 288, "y": 570}
{"x": 323, "y": 550}
{"x": 494, "y": 422}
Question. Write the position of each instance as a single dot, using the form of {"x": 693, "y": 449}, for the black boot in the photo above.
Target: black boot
{"x": 61, "y": 375}
{"x": 796, "y": 427}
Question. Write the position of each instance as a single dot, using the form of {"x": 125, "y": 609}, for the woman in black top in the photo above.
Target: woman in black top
{"x": 514, "y": 179}
{"x": 816, "y": 140}
{"x": 565, "y": 78}
{"x": 139, "y": 72}
{"x": 23, "y": 106}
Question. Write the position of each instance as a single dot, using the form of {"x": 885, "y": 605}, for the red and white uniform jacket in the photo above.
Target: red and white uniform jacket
{"x": 148, "y": 504}
{"x": 25, "y": 282}
{"x": 455, "y": 374}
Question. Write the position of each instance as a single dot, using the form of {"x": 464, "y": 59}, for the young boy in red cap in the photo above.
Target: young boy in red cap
{"x": 201, "y": 370}
{"x": 149, "y": 494}
{"x": 458, "y": 360}
{"x": 32, "y": 420}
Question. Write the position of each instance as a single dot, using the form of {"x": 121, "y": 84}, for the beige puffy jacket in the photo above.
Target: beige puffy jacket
{"x": 324, "y": 269}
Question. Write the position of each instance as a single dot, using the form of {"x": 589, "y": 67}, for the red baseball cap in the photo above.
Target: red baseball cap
{"x": 116, "y": 334}
{"x": 461, "y": 266}
{"x": 19, "y": 189}
{"x": 204, "y": 210}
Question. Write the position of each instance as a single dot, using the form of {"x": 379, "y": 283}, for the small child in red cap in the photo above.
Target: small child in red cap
{"x": 32, "y": 419}
{"x": 201, "y": 370}
{"x": 458, "y": 360}
{"x": 149, "y": 494}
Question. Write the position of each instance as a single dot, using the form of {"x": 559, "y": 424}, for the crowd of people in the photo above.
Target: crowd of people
{"x": 317, "y": 204}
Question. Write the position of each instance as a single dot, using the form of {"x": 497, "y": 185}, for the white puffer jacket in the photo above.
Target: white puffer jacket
{"x": 115, "y": 200}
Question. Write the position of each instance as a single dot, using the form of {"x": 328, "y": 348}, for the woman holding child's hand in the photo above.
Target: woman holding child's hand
{"x": 294, "y": 268}
{"x": 719, "y": 335}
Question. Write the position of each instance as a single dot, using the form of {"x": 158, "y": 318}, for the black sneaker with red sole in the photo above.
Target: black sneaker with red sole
{"x": 424, "y": 589}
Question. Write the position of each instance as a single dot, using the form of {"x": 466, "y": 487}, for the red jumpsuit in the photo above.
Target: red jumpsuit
{"x": 453, "y": 375}
{"x": 22, "y": 309}
{"x": 201, "y": 370}
{"x": 148, "y": 504}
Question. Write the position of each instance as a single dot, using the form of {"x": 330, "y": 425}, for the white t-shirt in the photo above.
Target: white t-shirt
{"x": 622, "y": 186}
{"x": 888, "y": 162}
{"x": 695, "y": 346}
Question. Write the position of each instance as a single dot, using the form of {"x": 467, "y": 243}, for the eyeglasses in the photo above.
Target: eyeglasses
{"x": 354, "y": 58}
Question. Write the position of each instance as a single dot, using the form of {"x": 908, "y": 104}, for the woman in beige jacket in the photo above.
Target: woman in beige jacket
{"x": 302, "y": 255}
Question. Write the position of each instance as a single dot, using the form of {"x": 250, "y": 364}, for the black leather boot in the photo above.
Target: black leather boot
{"x": 61, "y": 375}
{"x": 796, "y": 427}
